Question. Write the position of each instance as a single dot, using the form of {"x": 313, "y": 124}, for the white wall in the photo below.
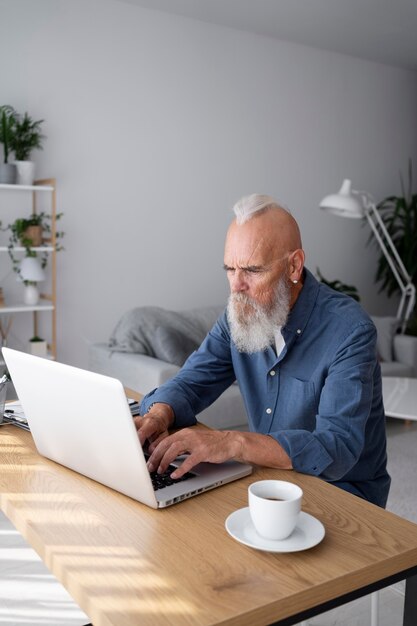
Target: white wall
{"x": 157, "y": 124}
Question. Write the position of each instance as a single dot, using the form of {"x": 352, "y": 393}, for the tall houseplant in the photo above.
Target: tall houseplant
{"x": 26, "y": 136}
{"x": 399, "y": 214}
{"x": 7, "y": 124}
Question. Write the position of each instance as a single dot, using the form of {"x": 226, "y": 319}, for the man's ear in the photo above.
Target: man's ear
{"x": 296, "y": 265}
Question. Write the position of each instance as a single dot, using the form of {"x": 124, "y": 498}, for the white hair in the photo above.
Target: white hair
{"x": 247, "y": 206}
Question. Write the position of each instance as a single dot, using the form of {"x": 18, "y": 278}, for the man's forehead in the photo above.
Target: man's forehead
{"x": 251, "y": 246}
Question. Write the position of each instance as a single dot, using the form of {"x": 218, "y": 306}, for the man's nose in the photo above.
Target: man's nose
{"x": 238, "y": 282}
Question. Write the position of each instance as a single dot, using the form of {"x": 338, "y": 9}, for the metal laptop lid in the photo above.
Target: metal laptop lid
{"x": 82, "y": 420}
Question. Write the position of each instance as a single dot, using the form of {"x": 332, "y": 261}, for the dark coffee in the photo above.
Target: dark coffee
{"x": 274, "y": 498}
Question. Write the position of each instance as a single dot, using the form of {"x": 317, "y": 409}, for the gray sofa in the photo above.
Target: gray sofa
{"x": 149, "y": 344}
{"x": 397, "y": 353}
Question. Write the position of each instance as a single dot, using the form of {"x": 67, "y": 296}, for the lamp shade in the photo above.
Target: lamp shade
{"x": 343, "y": 203}
{"x": 31, "y": 270}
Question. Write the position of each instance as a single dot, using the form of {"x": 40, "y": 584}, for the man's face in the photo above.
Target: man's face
{"x": 254, "y": 263}
{"x": 260, "y": 293}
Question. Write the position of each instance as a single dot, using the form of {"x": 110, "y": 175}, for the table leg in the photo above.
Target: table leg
{"x": 410, "y": 604}
{"x": 375, "y": 608}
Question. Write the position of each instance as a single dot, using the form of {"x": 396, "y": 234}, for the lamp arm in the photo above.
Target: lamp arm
{"x": 372, "y": 214}
{"x": 409, "y": 291}
{"x": 394, "y": 260}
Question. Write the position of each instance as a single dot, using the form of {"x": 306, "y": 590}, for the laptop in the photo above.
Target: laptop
{"x": 82, "y": 420}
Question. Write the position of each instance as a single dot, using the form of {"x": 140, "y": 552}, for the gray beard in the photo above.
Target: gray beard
{"x": 254, "y": 331}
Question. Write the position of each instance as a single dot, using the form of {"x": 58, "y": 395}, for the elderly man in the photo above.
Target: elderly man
{"x": 304, "y": 357}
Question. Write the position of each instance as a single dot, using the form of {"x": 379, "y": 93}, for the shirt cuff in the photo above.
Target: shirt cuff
{"x": 307, "y": 454}
{"x": 183, "y": 415}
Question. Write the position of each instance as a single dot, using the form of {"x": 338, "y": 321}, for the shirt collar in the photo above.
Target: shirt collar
{"x": 303, "y": 306}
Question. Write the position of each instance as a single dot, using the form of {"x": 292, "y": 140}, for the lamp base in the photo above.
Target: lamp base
{"x": 31, "y": 295}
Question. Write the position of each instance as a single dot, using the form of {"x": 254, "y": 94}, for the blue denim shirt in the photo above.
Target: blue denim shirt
{"x": 321, "y": 399}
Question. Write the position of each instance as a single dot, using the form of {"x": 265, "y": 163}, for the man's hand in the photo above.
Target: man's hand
{"x": 200, "y": 445}
{"x": 215, "y": 446}
{"x": 154, "y": 425}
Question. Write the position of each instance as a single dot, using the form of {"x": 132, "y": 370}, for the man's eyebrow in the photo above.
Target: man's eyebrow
{"x": 253, "y": 268}
{"x": 246, "y": 268}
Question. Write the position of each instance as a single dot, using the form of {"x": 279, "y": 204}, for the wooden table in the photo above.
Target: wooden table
{"x": 126, "y": 564}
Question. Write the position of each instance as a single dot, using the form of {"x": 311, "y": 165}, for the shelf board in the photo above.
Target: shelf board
{"x": 22, "y": 249}
{"x": 26, "y": 187}
{"x": 24, "y": 308}
{"x": 49, "y": 356}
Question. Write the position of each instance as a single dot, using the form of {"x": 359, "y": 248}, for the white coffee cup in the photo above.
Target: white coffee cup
{"x": 274, "y": 507}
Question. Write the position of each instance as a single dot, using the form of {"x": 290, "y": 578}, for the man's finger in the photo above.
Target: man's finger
{"x": 137, "y": 421}
{"x": 147, "y": 430}
{"x": 167, "y": 450}
{"x": 155, "y": 441}
{"x": 186, "y": 466}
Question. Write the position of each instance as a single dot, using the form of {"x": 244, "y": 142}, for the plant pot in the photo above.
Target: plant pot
{"x": 25, "y": 172}
{"x": 38, "y": 348}
{"x": 34, "y": 233}
{"x": 7, "y": 174}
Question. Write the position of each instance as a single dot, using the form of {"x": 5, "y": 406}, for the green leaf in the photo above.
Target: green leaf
{"x": 399, "y": 214}
{"x": 337, "y": 285}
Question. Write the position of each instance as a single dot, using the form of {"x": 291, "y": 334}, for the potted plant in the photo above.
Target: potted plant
{"x": 337, "y": 285}
{"x": 399, "y": 214}
{"x": 31, "y": 233}
{"x": 26, "y": 136}
{"x": 38, "y": 346}
{"x": 7, "y": 123}
{"x": 28, "y": 231}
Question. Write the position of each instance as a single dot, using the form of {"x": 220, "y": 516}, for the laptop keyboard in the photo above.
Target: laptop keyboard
{"x": 159, "y": 481}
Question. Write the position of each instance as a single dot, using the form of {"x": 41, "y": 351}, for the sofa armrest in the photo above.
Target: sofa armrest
{"x": 137, "y": 371}
{"x": 143, "y": 373}
{"x": 405, "y": 350}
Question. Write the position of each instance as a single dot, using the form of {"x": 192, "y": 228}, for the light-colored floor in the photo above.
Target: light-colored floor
{"x": 358, "y": 613}
{"x": 31, "y": 596}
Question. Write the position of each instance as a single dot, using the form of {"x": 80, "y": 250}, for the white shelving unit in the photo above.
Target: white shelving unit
{"x": 21, "y": 249}
{"x": 48, "y": 300}
{"x": 24, "y": 308}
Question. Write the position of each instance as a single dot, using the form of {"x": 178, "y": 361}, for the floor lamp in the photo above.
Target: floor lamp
{"x": 357, "y": 204}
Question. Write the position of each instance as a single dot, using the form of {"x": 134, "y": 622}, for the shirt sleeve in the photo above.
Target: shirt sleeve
{"x": 345, "y": 403}
{"x": 201, "y": 380}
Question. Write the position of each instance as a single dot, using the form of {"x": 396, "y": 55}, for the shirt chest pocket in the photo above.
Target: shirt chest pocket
{"x": 297, "y": 403}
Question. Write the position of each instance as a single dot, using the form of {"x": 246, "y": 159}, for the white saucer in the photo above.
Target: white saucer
{"x": 308, "y": 533}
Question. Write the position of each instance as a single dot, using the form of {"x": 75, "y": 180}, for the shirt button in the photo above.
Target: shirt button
{"x": 299, "y": 331}
{"x": 269, "y": 411}
{"x": 272, "y": 373}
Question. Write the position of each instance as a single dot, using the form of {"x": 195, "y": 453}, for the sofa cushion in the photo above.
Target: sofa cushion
{"x": 203, "y": 318}
{"x": 386, "y": 327}
{"x": 157, "y": 332}
{"x": 172, "y": 346}
{"x": 394, "y": 368}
